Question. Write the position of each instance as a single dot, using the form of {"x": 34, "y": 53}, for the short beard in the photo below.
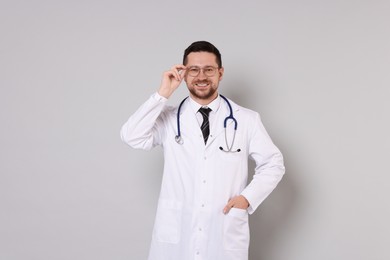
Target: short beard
{"x": 203, "y": 95}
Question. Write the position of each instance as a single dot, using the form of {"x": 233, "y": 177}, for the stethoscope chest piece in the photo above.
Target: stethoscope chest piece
{"x": 178, "y": 139}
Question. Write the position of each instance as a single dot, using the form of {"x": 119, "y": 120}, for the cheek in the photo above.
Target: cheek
{"x": 186, "y": 80}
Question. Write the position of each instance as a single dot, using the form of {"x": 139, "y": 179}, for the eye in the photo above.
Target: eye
{"x": 194, "y": 71}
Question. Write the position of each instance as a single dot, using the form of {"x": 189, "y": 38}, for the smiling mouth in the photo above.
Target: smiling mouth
{"x": 202, "y": 84}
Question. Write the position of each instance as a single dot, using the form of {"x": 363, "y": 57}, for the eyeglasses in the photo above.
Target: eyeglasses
{"x": 209, "y": 71}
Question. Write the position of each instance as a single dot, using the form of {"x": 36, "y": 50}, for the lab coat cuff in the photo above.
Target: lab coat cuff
{"x": 252, "y": 207}
{"x": 158, "y": 97}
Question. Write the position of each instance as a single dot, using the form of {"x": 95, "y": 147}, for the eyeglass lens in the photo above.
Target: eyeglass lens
{"x": 209, "y": 71}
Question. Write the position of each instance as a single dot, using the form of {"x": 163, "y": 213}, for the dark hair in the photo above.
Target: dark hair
{"x": 203, "y": 46}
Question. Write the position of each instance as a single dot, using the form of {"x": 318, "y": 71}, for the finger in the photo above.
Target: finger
{"x": 170, "y": 74}
{"x": 181, "y": 70}
{"x": 177, "y": 69}
{"x": 228, "y": 206}
{"x": 226, "y": 210}
{"x": 177, "y": 74}
{"x": 182, "y": 73}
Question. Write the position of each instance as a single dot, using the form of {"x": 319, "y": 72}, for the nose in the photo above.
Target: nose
{"x": 202, "y": 75}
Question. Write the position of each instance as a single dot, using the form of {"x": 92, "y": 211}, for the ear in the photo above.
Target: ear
{"x": 220, "y": 72}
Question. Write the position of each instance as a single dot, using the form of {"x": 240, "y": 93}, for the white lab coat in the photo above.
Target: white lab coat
{"x": 199, "y": 179}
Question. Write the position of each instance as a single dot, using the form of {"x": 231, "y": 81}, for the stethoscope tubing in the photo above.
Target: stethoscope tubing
{"x": 178, "y": 138}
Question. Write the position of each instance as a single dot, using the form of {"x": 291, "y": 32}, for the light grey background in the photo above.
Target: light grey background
{"x": 71, "y": 72}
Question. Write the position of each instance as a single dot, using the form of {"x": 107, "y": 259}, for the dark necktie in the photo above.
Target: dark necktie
{"x": 205, "y": 127}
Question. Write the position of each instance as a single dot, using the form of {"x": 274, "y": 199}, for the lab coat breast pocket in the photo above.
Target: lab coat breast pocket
{"x": 168, "y": 221}
{"x": 234, "y": 158}
{"x": 236, "y": 230}
{"x": 231, "y": 141}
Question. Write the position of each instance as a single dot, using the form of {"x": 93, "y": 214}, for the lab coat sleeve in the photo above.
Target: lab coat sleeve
{"x": 145, "y": 128}
{"x": 269, "y": 168}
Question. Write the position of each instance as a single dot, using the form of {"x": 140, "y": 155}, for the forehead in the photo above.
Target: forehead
{"x": 201, "y": 59}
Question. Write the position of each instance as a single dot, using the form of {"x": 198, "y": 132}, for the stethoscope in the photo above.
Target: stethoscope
{"x": 179, "y": 139}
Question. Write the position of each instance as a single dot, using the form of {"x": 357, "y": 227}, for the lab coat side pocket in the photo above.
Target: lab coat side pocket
{"x": 236, "y": 230}
{"x": 167, "y": 227}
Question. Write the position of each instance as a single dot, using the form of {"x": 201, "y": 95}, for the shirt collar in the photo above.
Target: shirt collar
{"x": 214, "y": 105}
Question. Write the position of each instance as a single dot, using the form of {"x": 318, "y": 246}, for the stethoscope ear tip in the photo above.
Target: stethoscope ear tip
{"x": 229, "y": 151}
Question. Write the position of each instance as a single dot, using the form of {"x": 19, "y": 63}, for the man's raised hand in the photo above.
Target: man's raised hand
{"x": 171, "y": 80}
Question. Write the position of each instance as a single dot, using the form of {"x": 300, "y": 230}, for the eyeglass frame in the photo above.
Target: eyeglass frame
{"x": 202, "y": 69}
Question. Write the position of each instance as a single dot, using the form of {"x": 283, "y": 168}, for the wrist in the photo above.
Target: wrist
{"x": 164, "y": 93}
{"x": 158, "y": 97}
{"x": 246, "y": 201}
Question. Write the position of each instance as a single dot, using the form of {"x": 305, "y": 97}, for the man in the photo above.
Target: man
{"x": 204, "y": 200}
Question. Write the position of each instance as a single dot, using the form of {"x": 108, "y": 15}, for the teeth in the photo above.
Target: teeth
{"x": 202, "y": 84}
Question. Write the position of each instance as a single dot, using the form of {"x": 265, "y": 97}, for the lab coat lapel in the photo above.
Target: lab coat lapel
{"x": 189, "y": 124}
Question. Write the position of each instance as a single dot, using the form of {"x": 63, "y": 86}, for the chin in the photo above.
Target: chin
{"x": 203, "y": 95}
